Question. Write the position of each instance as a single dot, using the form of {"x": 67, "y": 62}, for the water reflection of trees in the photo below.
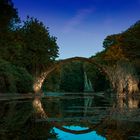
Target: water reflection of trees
{"x": 17, "y": 122}
{"x": 128, "y": 102}
{"x": 118, "y": 120}
{"x": 123, "y": 122}
{"x": 119, "y": 130}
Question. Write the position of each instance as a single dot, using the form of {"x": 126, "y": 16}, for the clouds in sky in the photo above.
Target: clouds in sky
{"x": 81, "y": 25}
{"x": 77, "y": 19}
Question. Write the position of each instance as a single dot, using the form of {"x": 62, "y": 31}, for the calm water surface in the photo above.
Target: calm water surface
{"x": 71, "y": 116}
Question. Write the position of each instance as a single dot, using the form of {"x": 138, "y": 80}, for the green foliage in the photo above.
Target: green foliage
{"x": 52, "y": 82}
{"x": 23, "y": 49}
{"x": 10, "y": 47}
{"x": 125, "y": 45}
{"x": 113, "y": 48}
{"x": 14, "y": 79}
{"x": 97, "y": 78}
{"x": 111, "y": 40}
{"x": 9, "y": 22}
{"x": 24, "y": 80}
{"x": 39, "y": 48}
{"x": 9, "y": 16}
{"x": 72, "y": 77}
{"x": 7, "y": 81}
{"x": 131, "y": 41}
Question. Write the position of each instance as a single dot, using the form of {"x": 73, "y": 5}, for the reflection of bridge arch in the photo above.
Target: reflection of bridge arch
{"x": 45, "y": 118}
{"x": 74, "y": 131}
{"x": 90, "y": 129}
{"x": 39, "y": 80}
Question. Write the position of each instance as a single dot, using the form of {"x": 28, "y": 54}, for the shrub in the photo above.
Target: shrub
{"x": 14, "y": 79}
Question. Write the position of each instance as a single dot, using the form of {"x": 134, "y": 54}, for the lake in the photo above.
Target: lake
{"x": 71, "y": 116}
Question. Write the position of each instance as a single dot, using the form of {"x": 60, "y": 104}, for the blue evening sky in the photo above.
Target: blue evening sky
{"x": 81, "y": 25}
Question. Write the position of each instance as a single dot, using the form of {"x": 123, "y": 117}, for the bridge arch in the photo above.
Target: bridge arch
{"x": 39, "y": 80}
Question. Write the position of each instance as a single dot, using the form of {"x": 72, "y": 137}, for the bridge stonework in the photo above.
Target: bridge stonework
{"x": 39, "y": 80}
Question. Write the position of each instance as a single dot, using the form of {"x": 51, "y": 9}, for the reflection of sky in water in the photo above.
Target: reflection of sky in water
{"x": 68, "y": 136}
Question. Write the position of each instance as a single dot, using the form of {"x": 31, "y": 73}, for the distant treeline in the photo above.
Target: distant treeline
{"x": 70, "y": 78}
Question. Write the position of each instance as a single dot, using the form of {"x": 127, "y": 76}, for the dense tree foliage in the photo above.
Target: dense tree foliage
{"x": 14, "y": 79}
{"x": 72, "y": 77}
{"x": 39, "y": 48}
{"x": 26, "y": 48}
{"x": 98, "y": 79}
{"x": 8, "y": 25}
{"x": 9, "y": 16}
{"x": 124, "y": 45}
{"x": 121, "y": 49}
{"x": 52, "y": 82}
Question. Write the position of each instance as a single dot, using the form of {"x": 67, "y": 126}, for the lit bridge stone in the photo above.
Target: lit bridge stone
{"x": 39, "y": 80}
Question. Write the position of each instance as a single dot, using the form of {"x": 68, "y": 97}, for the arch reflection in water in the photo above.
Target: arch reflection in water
{"x": 68, "y": 136}
{"x": 112, "y": 117}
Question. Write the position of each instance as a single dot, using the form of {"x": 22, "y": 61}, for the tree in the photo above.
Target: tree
{"x": 8, "y": 16}
{"x": 14, "y": 79}
{"x": 25, "y": 49}
{"x": 98, "y": 79}
{"x": 113, "y": 48}
{"x": 72, "y": 77}
{"x": 131, "y": 41}
{"x": 39, "y": 48}
{"x": 9, "y": 45}
{"x": 124, "y": 45}
{"x": 52, "y": 82}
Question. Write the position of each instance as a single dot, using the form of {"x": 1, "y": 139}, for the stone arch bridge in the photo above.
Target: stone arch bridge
{"x": 40, "y": 79}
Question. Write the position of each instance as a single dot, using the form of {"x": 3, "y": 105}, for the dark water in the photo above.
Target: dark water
{"x": 71, "y": 116}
